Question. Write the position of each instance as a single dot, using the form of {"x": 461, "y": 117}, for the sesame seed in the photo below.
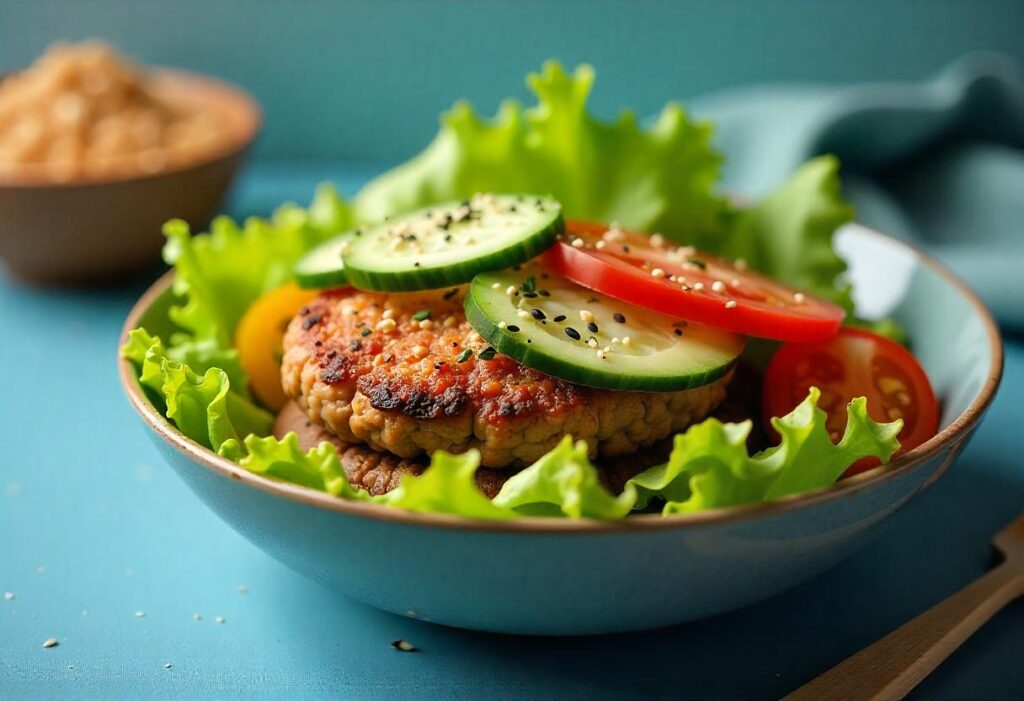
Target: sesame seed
{"x": 513, "y": 328}
{"x": 197, "y": 617}
{"x": 450, "y": 322}
{"x": 511, "y": 290}
{"x": 559, "y": 319}
{"x": 658, "y": 272}
{"x": 619, "y": 318}
{"x": 140, "y": 614}
{"x": 657, "y": 240}
{"x": 388, "y": 314}
{"x": 419, "y": 352}
{"x": 592, "y": 342}
{"x": 502, "y": 324}
{"x": 242, "y": 589}
{"x": 572, "y": 333}
{"x": 698, "y": 286}
{"x": 50, "y": 642}
{"x": 167, "y": 665}
{"x": 600, "y": 245}
{"x": 404, "y": 646}
{"x": 426, "y": 324}
{"x": 731, "y": 304}
{"x": 586, "y": 315}
{"x": 219, "y": 619}
{"x": 627, "y": 341}
{"x": 523, "y": 314}
{"x": 799, "y": 297}
{"x": 615, "y": 339}
{"x": 592, "y": 327}
{"x": 601, "y": 355}
{"x": 718, "y": 286}
{"x": 495, "y": 285}
{"x": 577, "y": 243}
{"x": 386, "y": 325}
{"x": 607, "y": 349}
{"x": 538, "y": 314}
{"x": 8, "y": 595}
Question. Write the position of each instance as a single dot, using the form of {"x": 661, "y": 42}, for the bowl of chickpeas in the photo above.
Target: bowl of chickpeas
{"x": 97, "y": 152}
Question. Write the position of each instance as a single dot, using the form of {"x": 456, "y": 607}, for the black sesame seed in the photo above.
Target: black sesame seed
{"x": 416, "y": 264}
{"x": 625, "y": 248}
{"x": 451, "y": 293}
{"x": 530, "y": 295}
{"x": 592, "y": 327}
{"x": 619, "y": 318}
{"x": 677, "y": 332}
{"x": 538, "y": 314}
{"x": 698, "y": 263}
{"x": 529, "y": 341}
{"x": 512, "y": 327}
{"x": 543, "y": 293}
{"x": 487, "y": 353}
{"x": 464, "y": 356}
{"x": 560, "y": 318}
{"x": 572, "y": 333}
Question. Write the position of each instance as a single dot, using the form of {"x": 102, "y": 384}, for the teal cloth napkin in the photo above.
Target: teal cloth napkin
{"x": 939, "y": 162}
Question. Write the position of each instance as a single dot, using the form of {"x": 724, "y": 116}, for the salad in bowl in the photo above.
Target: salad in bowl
{"x": 541, "y": 315}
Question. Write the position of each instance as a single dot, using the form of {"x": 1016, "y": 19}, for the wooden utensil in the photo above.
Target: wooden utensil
{"x": 893, "y": 666}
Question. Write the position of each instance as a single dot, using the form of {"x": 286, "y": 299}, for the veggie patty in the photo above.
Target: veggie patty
{"x": 407, "y": 373}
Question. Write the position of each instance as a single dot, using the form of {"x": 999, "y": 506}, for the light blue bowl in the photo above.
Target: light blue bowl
{"x": 561, "y": 577}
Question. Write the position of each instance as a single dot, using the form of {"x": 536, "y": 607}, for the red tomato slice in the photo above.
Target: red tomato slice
{"x": 856, "y": 363}
{"x": 685, "y": 283}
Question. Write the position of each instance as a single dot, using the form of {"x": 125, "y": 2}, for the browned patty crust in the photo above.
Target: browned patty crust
{"x": 391, "y": 371}
{"x": 378, "y": 472}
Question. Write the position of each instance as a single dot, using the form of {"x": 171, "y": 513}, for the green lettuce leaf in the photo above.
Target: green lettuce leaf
{"x": 447, "y": 486}
{"x": 710, "y": 466}
{"x": 788, "y": 234}
{"x": 564, "y": 483}
{"x": 202, "y": 406}
{"x": 223, "y": 272}
{"x": 660, "y": 178}
{"x": 318, "y": 468}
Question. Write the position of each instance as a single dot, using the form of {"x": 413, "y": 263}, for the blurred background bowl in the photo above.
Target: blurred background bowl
{"x": 88, "y": 230}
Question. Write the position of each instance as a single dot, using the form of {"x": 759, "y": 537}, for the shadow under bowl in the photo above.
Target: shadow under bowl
{"x": 86, "y": 230}
{"x": 563, "y": 577}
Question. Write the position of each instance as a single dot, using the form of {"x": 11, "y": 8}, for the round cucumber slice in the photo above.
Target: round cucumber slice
{"x": 448, "y": 244}
{"x": 323, "y": 266}
{"x": 567, "y": 331}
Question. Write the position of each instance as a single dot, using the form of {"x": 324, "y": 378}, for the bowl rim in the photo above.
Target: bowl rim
{"x": 240, "y": 101}
{"x": 947, "y": 437}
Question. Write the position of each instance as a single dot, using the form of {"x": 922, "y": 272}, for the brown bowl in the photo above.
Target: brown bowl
{"x": 87, "y": 230}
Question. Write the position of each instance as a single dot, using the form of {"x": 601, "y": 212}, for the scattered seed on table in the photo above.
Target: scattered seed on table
{"x": 8, "y": 595}
{"x": 197, "y": 617}
{"x": 242, "y": 589}
{"x": 167, "y": 665}
{"x": 404, "y": 646}
{"x": 140, "y": 614}
{"x": 218, "y": 619}
{"x": 50, "y": 642}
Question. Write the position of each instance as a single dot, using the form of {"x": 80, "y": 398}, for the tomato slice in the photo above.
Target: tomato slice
{"x": 682, "y": 282}
{"x": 856, "y": 363}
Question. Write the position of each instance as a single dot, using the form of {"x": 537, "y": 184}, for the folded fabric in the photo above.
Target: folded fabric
{"x": 940, "y": 163}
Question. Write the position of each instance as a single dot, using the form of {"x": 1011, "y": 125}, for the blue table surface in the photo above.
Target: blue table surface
{"x": 95, "y": 530}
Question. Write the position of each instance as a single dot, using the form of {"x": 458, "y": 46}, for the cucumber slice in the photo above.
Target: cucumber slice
{"x": 448, "y": 244}
{"x": 567, "y": 331}
{"x": 323, "y": 266}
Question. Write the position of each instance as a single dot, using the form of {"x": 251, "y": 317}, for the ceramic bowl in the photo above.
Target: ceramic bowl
{"x": 80, "y": 231}
{"x": 560, "y": 577}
